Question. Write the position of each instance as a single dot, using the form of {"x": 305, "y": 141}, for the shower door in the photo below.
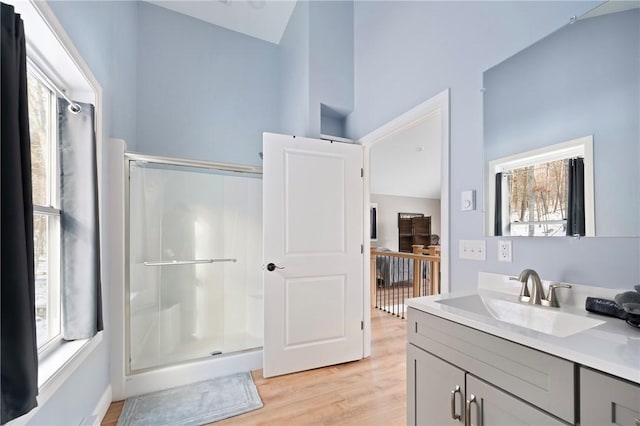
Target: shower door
{"x": 195, "y": 256}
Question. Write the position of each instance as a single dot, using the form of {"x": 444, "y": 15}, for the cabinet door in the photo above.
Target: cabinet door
{"x": 605, "y": 400}
{"x": 432, "y": 398}
{"x": 490, "y": 406}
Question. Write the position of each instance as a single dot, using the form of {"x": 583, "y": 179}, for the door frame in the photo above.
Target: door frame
{"x": 438, "y": 103}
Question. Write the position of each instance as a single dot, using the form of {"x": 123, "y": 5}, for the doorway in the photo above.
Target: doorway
{"x": 433, "y": 112}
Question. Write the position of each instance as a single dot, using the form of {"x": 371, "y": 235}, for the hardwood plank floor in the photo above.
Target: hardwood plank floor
{"x": 371, "y": 391}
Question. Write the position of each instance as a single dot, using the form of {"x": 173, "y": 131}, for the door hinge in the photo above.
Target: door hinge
{"x": 361, "y": 172}
{"x": 361, "y": 248}
{"x": 361, "y": 325}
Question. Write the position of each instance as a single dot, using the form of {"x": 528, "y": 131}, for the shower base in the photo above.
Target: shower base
{"x": 157, "y": 379}
{"x": 195, "y": 349}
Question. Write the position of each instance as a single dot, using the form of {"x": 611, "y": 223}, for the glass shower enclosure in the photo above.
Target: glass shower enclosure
{"x": 194, "y": 285}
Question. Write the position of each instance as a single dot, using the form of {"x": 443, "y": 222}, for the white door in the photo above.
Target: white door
{"x": 313, "y": 286}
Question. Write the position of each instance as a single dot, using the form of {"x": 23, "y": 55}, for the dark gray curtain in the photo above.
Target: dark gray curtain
{"x": 19, "y": 350}
{"x": 575, "y": 204}
{"x": 81, "y": 292}
{"x": 497, "y": 217}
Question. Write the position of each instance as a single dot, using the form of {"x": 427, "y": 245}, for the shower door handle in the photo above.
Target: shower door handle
{"x": 272, "y": 267}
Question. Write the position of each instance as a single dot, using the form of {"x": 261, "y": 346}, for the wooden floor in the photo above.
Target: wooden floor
{"x": 371, "y": 391}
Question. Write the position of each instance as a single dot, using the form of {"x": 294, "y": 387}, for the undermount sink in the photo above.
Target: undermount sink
{"x": 543, "y": 320}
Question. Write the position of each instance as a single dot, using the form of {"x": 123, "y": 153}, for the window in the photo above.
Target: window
{"x": 55, "y": 69}
{"x": 536, "y": 204}
{"x": 46, "y": 212}
{"x": 531, "y": 194}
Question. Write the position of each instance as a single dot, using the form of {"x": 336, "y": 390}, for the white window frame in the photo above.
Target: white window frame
{"x": 582, "y": 147}
{"x": 51, "y": 210}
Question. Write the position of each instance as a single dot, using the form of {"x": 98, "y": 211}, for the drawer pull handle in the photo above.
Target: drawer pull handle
{"x": 455, "y": 416}
{"x": 470, "y": 401}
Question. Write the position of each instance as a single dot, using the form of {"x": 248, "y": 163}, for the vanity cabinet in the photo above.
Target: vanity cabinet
{"x": 605, "y": 400}
{"x": 437, "y": 390}
{"x": 512, "y": 384}
{"x": 440, "y": 394}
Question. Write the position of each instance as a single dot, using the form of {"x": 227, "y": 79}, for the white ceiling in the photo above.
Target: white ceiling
{"x": 408, "y": 162}
{"x": 263, "y": 19}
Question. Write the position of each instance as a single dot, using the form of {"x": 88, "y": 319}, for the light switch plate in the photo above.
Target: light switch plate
{"x": 473, "y": 249}
{"x": 468, "y": 200}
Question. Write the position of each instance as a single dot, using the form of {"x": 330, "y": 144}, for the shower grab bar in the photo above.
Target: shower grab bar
{"x": 187, "y": 262}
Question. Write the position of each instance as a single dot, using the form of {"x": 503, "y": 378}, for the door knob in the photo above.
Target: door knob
{"x": 272, "y": 267}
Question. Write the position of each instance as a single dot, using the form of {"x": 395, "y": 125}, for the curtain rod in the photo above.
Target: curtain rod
{"x": 73, "y": 106}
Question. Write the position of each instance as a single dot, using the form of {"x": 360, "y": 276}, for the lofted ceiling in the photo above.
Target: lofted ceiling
{"x": 407, "y": 163}
{"x": 263, "y": 19}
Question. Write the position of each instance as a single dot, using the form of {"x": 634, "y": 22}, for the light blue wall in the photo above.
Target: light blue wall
{"x": 406, "y": 52}
{"x": 331, "y": 63}
{"x": 105, "y": 35}
{"x": 204, "y": 92}
{"x": 294, "y": 73}
{"x": 104, "y": 32}
{"x": 316, "y": 66}
{"x": 584, "y": 79}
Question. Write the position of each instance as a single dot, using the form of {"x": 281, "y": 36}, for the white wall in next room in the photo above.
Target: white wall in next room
{"x": 388, "y": 208}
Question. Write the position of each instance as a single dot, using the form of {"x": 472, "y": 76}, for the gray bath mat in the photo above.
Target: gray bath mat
{"x": 193, "y": 405}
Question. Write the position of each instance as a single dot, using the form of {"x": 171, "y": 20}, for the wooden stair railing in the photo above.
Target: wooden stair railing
{"x": 391, "y": 296}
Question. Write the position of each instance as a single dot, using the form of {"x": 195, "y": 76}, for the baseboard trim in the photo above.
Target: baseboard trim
{"x": 102, "y": 407}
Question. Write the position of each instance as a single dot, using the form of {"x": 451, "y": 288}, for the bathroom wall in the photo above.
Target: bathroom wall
{"x": 203, "y": 92}
{"x": 387, "y": 216}
{"x": 316, "y": 66}
{"x": 293, "y": 59}
{"x": 331, "y": 65}
{"x": 105, "y": 33}
{"x": 406, "y": 52}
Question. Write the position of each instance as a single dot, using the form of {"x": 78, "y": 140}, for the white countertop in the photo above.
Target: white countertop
{"x": 612, "y": 347}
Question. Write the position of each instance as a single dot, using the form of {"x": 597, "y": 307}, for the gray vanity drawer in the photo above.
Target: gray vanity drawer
{"x": 605, "y": 400}
{"x": 536, "y": 377}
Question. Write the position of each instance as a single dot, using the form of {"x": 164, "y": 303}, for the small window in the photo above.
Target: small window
{"x": 529, "y": 192}
{"x": 46, "y": 212}
{"x": 536, "y": 204}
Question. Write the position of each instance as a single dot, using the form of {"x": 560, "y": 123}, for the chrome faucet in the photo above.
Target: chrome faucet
{"x": 537, "y": 292}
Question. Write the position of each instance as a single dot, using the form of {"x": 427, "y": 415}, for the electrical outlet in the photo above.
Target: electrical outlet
{"x": 504, "y": 250}
{"x": 473, "y": 249}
